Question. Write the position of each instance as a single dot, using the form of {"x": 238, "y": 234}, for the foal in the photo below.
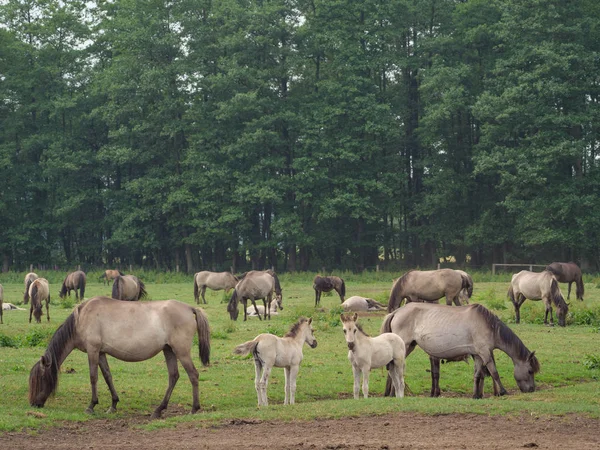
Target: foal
{"x": 270, "y": 350}
{"x": 366, "y": 353}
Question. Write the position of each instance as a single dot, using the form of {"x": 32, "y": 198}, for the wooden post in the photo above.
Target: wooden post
{"x": 493, "y": 269}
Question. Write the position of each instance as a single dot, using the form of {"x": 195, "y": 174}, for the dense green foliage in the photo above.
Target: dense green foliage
{"x": 298, "y": 134}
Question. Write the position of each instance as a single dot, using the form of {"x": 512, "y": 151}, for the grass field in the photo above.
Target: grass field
{"x": 568, "y": 382}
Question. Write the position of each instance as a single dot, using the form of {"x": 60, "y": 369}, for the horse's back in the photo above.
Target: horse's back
{"x": 533, "y": 285}
{"x": 358, "y": 303}
{"x": 42, "y": 287}
{"x": 255, "y": 285}
{"x": 433, "y": 284}
{"x": 216, "y": 280}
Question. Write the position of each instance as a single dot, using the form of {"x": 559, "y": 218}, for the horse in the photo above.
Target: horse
{"x": 109, "y": 275}
{"x": 465, "y": 293}
{"x": 253, "y": 286}
{"x": 251, "y": 312}
{"x": 327, "y": 284}
{"x": 454, "y": 333}
{"x": 213, "y": 280}
{"x": 538, "y": 286}
{"x": 75, "y": 281}
{"x": 28, "y": 280}
{"x": 129, "y": 288}
{"x": 272, "y": 351}
{"x": 568, "y": 273}
{"x": 427, "y": 286}
{"x": 39, "y": 291}
{"x": 357, "y": 303}
{"x": 366, "y": 353}
{"x": 131, "y": 332}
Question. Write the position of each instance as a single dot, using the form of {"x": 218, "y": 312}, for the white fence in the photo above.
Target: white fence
{"x": 531, "y": 266}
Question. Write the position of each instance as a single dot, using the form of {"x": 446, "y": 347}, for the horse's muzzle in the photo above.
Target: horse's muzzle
{"x": 351, "y": 346}
{"x": 313, "y": 345}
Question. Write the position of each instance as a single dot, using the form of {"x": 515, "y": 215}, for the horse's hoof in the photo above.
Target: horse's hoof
{"x": 503, "y": 392}
{"x": 111, "y": 410}
{"x": 155, "y": 415}
{"x": 89, "y": 411}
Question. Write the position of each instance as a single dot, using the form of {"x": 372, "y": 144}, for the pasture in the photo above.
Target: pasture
{"x": 567, "y": 384}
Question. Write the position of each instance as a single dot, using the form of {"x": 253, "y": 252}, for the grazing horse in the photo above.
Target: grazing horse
{"x": 366, "y": 353}
{"x": 109, "y": 275}
{"x": 29, "y": 278}
{"x": 75, "y": 281}
{"x": 568, "y": 273}
{"x": 212, "y": 280}
{"x": 357, "y": 303}
{"x": 327, "y": 284}
{"x": 255, "y": 285}
{"x": 454, "y": 333}
{"x": 538, "y": 286}
{"x": 272, "y": 351}
{"x": 131, "y": 332}
{"x": 467, "y": 292}
{"x": 427, "y": 286}
{"x": 128, "y": 287}
{"x": 39, "y": 291}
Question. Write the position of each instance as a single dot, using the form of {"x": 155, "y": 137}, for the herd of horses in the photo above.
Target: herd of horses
{"x": 117, "y": 326}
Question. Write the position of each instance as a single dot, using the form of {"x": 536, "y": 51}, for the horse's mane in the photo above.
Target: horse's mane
{"x": 54, "y": 353}
{"x": 360, "y": 328}
{"x": 506, "y": 335}
{"x": 116, "y": 287}
{"x": 277, "y": 284}
{"x": 398, "y": 286}
{"x": 296, "y": 327}
{"x": 142, "y": 293}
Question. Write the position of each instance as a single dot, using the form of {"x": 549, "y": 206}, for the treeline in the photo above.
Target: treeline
{"x": 298, "y": 134}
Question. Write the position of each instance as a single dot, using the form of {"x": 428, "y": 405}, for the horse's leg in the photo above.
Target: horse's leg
{"x": 569, "y": 291}
{"x": 317, "y": 297}
{"x": 48, "y": 308}
{"x": 255, "y": 309}
{"x": 435, "y": 376}
{"x": 108, "y": 378}
{"x": 30, "y": 311}
{"x": 548, "y": 310}
{"x": 366, "y": 371}
{"x": 293, "y": 375}
{"x": 491, "y": 367}
{"x": 173, "y": 370}
{"x": 202, "y": 292}
{"x": 517, "y": 304}
{"x": 187, "y": 363}
{"x": 396, "y": 370}
{"x": 258, "y": 366}
{"x": 264, "y": 383}
{"x": 356, "y": 373}
{"x": 93, "y": 358}
{"x": 389, "y": 386}
{"x": 449, "y": 300}
{"x": 478, "y": 378}
{"x": 287, "y": 391}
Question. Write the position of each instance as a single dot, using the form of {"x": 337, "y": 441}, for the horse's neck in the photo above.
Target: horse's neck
{"x": 515, "y": 350}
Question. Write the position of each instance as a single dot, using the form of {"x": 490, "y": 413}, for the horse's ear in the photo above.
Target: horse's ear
{"x": 46, "y": 362}
{"x": 342, "y": 318}
{"x": 310, "y": 320}
{"x": 531, "y": 355}
{"x": 355, "y": 317}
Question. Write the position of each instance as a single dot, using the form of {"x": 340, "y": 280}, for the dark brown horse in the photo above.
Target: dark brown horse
{"x": 327, "y": 284}
{"x": 130, "y": 332}
{"x": 109, "y": 275}
{"x": 75, "y": 281}
{"x": 128, "y": 287}
{"x": 568, "y": 273}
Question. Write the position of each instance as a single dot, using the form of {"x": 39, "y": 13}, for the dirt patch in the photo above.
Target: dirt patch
{"x": 396, "y": 431}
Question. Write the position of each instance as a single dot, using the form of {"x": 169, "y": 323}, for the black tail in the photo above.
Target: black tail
{"x": 82, "y": 281}
{"x": 142, "y": 293}
{"x": 196, "y": 294}
{"x": 26, "y": 294}
{"x": 511, "y": 294}
{"x": 386, "y": 327}
{"x": 580, "y": 288}
{"x": 343, "y": 288}
{"x": 116, "y": 289}
{"x": 232, "y": 306}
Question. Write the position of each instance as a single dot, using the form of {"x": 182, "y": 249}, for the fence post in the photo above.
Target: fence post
{"x": 493, "y": 269}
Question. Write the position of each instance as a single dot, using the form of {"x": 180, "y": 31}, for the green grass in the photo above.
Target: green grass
{"x": 568, "y": 382}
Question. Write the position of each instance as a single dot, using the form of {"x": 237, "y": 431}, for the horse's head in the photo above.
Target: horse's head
{"x": 63, "y": 290}
{"x": 37, "y": 312}
{"x": 525, "y": 372}
{"x": 309, "y": 337}
{"x": 279, "y": 299}
{"x": 350, "y": 329}
{"x": 561, "y": 313}
{"x": 42, "y": 382}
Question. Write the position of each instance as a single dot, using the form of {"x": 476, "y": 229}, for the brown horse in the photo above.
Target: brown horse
{"x": 28, "y": 280}
{"x": 213, "y": 280}
{"x": 538, "y": 286}
{"x": 129, "y": 288}
{"x": 109, "y": 275}
{"x": 131, "y": 332}
{"x": 255, "y": 285}
{"x": 428, "y": 286}
{"x": 568, "y": 273}
{"x": 327, "y": 284}
{"x": 75, "y": 281}
{"x": 39, "y": 291}
{"x": 454, "y": 333}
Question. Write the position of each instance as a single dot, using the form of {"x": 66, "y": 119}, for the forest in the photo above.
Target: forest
{"x": 299, "y": 134}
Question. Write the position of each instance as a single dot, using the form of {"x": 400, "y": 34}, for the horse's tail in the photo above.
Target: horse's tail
{"x": 556, "y": 295}
{"x": 232, "y": 306}
{"x": 343, "y": 288}
{"x": 245, "y": 348}
{"x": 142, "y": 290}
{"x": 26, "y": 294}
{"x": 116, "y": 289}
{"x": 386, "y": 327}
{"x": 36, "y": 302}
{"x": 395, "y": 299}
{"x": 82, "y": 281}
{"x": 511, "y": 294}
{"x": 580, "y": 288}
{"x": 196, "y": 294}
{"x": 203, "y": 336}
{"x": 467, "y": 283}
